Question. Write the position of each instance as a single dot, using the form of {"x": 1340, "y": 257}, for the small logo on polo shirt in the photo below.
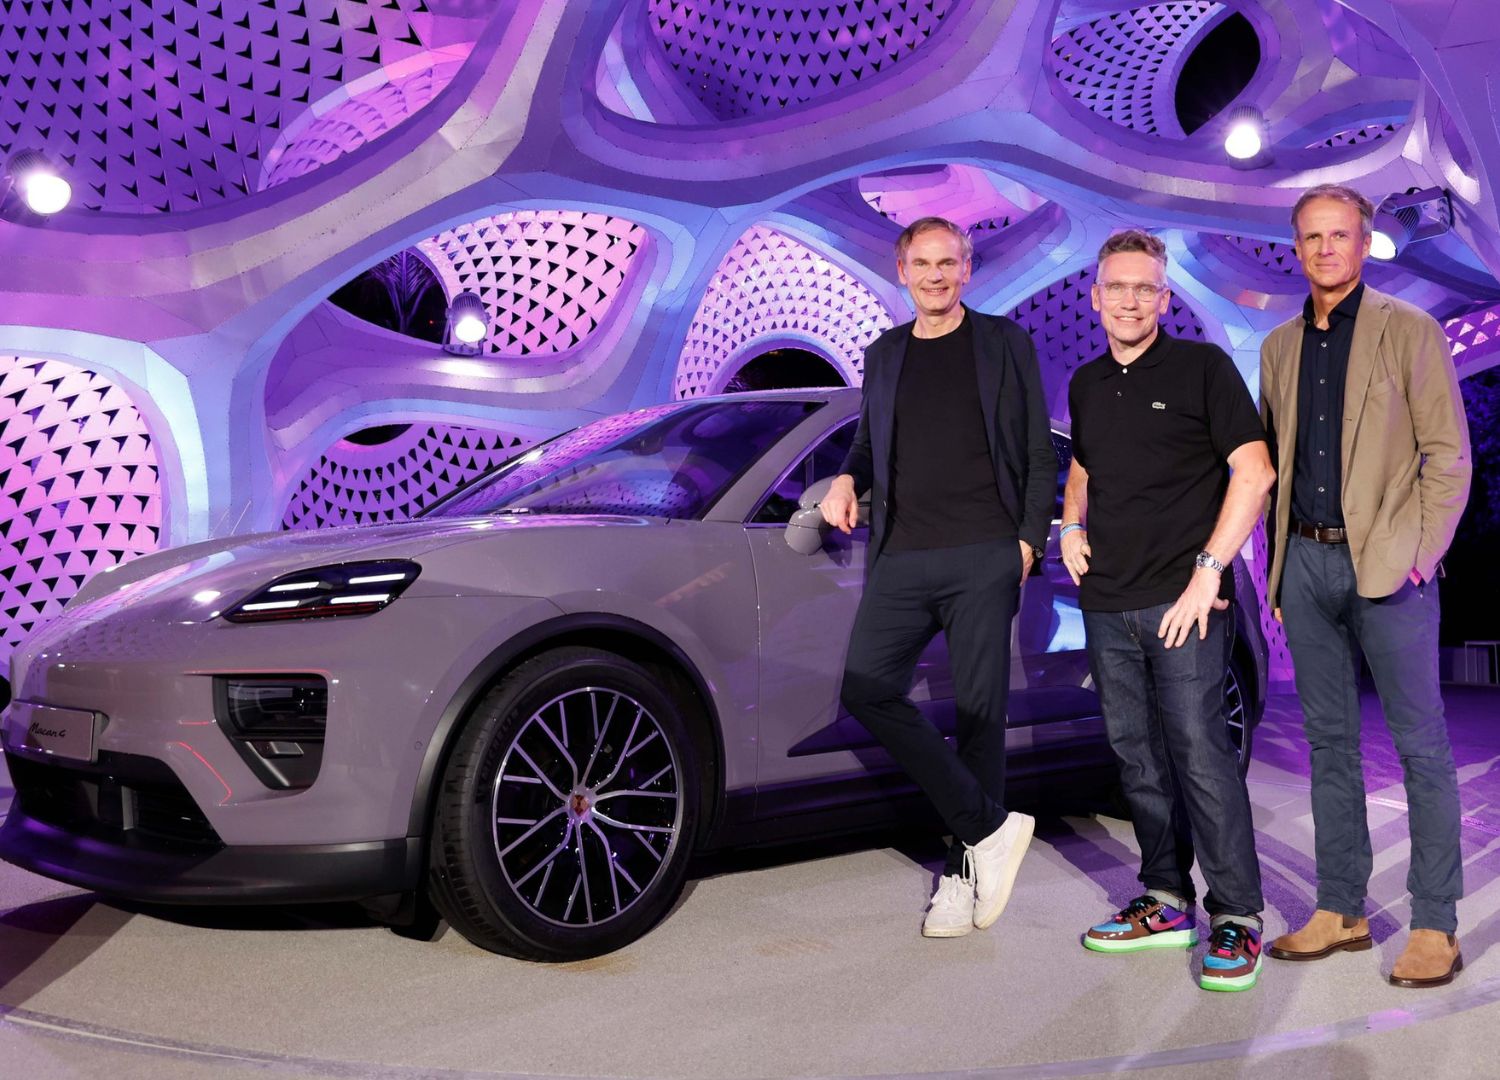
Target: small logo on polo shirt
{"x": 1158, "y": 404}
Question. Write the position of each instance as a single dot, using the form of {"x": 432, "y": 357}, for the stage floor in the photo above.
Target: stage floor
{"x": 798, "y": 962}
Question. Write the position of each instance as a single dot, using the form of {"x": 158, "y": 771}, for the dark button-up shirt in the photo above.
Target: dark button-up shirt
{"x": 1317, "y": 474}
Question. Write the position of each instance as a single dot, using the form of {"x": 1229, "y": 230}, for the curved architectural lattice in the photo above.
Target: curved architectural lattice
{"x": 772, "y": 289}
{"x": 1117, "y": 65}
{"x": 79, "y": 490}
{"x": 743, "y": 59}
{"x": 547, "y": 276}
{"x": 1062, "y": 322}
{"x": 1276, "y": 257}
{"x": 155, "y": 105}
{"x": 981, "y": 201}
{"x": 1474, "y": 338}
{"x": 1355, "y": 136}
{"x": 355, "y": 485}
{"x": 347, "y": 122}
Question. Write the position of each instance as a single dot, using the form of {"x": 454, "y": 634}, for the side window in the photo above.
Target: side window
{"x": 1064, "y": 448}
{"x": 819, "y": 463}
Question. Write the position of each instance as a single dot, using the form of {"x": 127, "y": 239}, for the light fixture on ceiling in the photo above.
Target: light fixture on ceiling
{"x": 468, "y": 323}
{"x": 1408, "y": 218}
{"x": 37, "y": 181}
{"x": 1245, "y": 135}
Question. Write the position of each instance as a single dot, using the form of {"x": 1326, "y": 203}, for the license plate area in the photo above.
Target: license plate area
{"x": 46, "y": 730}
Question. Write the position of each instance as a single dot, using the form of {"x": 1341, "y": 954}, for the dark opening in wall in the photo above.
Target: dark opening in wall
{"x": 374, "y": 436}
{"x": 784, "y": 369}
{"x": 1217, "y": 71}
{"x": 400, "y": 294}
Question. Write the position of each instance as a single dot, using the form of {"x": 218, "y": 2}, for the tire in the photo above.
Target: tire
{"x": 1238, "y": 712}
{"x": 537, "y": 850}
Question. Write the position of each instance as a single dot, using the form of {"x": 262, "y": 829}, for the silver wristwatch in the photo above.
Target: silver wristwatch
{"x": 1205, "y": 561}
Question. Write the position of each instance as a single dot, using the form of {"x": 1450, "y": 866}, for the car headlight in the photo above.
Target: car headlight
{"x": 327, "y": 592}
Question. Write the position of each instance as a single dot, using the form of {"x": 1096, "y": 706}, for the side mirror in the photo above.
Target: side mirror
{"x": 807, "y": 529}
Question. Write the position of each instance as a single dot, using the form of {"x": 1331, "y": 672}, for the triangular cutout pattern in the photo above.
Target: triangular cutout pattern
{"x": 79, "y": 488}
{"x": 743, "y": 59}
{"x": 1114, "y": 65}
{"x": 548, "y": 277}
{"x": 392, "y": 481}
{"x": 772, "y": 288}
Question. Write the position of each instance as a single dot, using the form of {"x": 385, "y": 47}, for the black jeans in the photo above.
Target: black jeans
{"x": 1326, "y": 620}
{"x": 970, "y": 593}
{"x": 1164, "y": 712}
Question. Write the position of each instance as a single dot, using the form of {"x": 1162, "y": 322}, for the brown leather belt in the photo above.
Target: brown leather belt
{"x": 1323, "y": 534}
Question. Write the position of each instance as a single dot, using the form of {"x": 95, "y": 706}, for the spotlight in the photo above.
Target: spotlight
{"x": 1408, "y": 218}
{"x": 33, "y": 175}
{"x": 1245, "y": 137}
{"x": 468, "y": 323}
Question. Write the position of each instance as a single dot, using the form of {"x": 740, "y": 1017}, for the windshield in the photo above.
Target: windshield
{"x": 671, "y": 461}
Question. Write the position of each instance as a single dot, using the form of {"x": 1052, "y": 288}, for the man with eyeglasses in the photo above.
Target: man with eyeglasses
{"x": 1169, "y": 476}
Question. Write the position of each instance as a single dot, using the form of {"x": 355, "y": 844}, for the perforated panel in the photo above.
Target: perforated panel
{"x": 1474, "y": 337}
{"x": 770, "y": 287}
{"x": 1116, "y": 64}
{"x": 744, "y": 59}
{"x": 349, "y": 124}
{"x": 547, "y": 276}
{"x": 157, "y": 105}
{"x": 1062, "y": 322}
{"x": 1276, "y": 257}
{"x": 355, "y": 485}
{"x": 78, "y": 476}
{"x": 1354, "y": 136}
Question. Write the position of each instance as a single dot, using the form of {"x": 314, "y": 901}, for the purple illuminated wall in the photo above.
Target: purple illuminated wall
{"x": 646, "y": 195}
{"x": 79, "y": 483}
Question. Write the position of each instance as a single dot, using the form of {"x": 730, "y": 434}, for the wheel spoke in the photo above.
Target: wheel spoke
{"x": 532, "y": 803}
{"x": 599, "y": 732}
{"x": 544, "y": 778}
{"x": 528, "y": 833}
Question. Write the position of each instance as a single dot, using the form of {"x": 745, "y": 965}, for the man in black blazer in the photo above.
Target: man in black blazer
{"x": 955, "y": 447}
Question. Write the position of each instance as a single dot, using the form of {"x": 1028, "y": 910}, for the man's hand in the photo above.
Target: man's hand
{"x": 841, "y": 506}
{"x": 1192, "y": 607}
{"x": 1276, "y": 614}
{"x": 1025, "y": 561}
{"x": 1076, "y": 554}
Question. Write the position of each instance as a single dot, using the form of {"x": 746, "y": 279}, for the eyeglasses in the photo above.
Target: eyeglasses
{"x": 1145, "y": 291}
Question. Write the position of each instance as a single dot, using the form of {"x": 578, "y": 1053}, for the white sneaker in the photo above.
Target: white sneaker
{"x": 996, "y": 859}
{"x": 952, "y": 910}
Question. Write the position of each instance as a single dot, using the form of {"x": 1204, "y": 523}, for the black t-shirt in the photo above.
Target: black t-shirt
{"x": 943, "y": 491}
{"x": 1155, "y": 437}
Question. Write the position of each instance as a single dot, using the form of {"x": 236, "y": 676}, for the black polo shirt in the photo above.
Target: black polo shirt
{"x": 1317, "y": 472}
{"x": 1155, "y": 437}
{"x": 943, "y": 490}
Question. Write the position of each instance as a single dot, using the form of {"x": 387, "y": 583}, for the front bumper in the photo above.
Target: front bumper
{"x": 119, "y": 828}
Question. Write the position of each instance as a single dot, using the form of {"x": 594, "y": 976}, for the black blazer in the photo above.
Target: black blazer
{"x": 1015, "y": 422}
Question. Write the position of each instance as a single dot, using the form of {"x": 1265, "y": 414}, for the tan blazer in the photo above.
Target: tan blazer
{"x": 1406, "y": 459}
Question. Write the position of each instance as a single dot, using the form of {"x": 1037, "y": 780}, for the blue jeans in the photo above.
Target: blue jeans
{"x": 1326, "y": 621}
{"x": 1164, "y": 712}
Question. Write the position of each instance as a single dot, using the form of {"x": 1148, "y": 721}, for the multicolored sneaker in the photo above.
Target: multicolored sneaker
{"x": 1233, "y": 958}
{"x": 1145, "y": 923}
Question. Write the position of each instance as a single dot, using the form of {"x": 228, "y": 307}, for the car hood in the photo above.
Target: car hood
{"x": 216, "y": 573}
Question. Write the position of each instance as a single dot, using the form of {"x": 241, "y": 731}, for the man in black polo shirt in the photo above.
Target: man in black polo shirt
{"x": 1170, "y": 472}
{"x": 955, "y": 447}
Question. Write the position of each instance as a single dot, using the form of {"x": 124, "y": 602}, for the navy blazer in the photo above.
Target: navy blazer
{"x": 1015, "y": 422}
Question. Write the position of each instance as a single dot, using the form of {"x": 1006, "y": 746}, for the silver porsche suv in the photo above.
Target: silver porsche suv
{"x": 524, "y": 711}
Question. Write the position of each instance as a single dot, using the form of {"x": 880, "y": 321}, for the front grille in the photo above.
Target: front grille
{"x": 124, "y": 799}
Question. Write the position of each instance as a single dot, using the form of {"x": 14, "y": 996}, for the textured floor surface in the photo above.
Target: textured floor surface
{"x": 804, "y": 962}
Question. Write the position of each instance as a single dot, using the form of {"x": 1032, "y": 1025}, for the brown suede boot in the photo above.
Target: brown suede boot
{"x": 1431, "y": 958}
{"x": 1325, "y": 933}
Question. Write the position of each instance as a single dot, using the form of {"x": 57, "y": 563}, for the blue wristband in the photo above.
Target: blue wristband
{"x": 1066, "y": 529}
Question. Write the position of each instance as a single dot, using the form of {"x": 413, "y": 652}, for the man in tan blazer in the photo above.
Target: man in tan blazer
{"x": 1361, "y": 403}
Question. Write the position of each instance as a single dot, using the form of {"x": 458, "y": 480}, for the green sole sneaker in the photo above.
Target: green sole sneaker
{"x": 1169, "y": 939}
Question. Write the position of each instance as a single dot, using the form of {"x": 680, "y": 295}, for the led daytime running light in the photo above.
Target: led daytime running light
{"x": 326, "y": 592}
